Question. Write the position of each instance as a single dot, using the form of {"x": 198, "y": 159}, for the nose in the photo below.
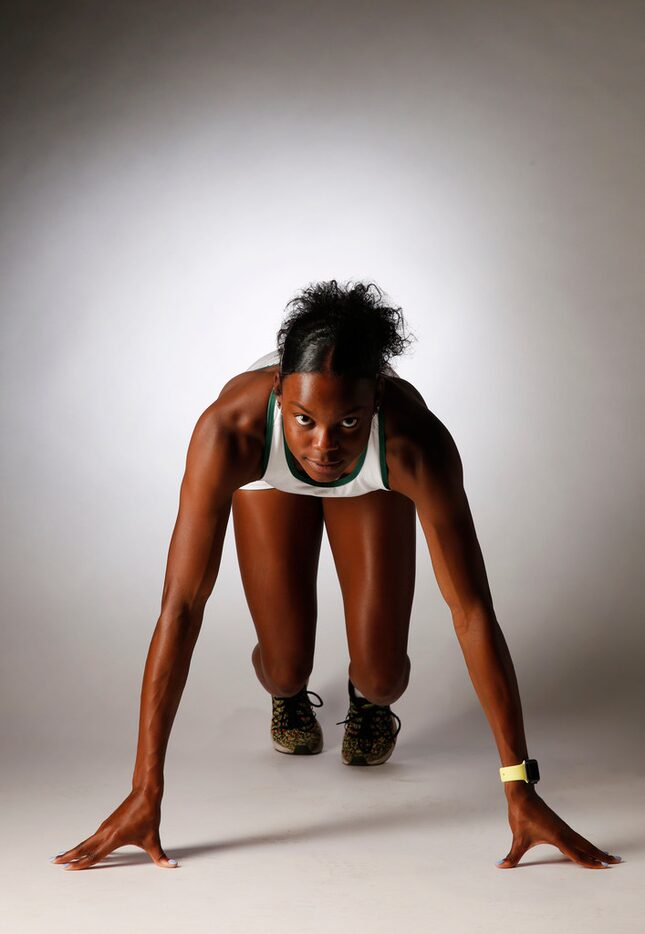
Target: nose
{"x": 325, "y": 444}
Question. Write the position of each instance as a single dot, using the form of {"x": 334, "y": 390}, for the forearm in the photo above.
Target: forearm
{"x": 493, "y": 676}
{"x": 164, "y": 679}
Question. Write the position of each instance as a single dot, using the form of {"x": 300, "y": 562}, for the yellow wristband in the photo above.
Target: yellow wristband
{"x": 512, "y": 773}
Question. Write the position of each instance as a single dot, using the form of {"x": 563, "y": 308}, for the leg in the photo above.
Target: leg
{"x": 278, "y": 536}
{"x": 373, "y": 542}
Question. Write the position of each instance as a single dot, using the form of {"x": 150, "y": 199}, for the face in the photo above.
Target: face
{"x": 327, "y": 420}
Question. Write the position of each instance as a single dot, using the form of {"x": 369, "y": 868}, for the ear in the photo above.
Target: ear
{"x": 277, "y": 387}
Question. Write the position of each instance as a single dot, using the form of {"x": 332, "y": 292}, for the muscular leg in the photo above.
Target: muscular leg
{"x": 278, "y": 536}
{"x": 373, "y": 542}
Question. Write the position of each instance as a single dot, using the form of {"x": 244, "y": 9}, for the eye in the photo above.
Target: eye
{"x": 350, "y": 418}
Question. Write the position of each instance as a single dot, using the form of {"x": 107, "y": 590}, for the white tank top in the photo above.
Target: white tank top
{"x": 281, "y": 471}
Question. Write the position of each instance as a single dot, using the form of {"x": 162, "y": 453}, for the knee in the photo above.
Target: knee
{"x": 284, "y": 676}
{"x": 287, "y": 680}
{"x": 380, "y": 684}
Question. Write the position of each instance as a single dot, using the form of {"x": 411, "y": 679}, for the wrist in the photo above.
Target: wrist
{"x": 519, "y": 790}
{"x": 147, "y": 785}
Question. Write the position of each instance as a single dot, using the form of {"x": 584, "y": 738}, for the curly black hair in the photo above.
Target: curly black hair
{"x": 343, "y": 329}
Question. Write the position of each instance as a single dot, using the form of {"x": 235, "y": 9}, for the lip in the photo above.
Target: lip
{"x": 325, "y": 469}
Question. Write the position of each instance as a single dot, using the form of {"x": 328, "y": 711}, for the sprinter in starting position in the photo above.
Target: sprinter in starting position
{"x": 322, "y": 432}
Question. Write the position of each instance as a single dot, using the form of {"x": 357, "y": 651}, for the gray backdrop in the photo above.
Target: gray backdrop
{"x": 172, "y": 174}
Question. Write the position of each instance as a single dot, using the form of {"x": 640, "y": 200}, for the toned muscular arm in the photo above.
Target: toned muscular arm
{"x": 433, "y": 479}
{"x": 213, "y": 471}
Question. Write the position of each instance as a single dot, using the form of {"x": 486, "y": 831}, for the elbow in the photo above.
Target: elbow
{"x": 177, "y": 631}
{"x": 182, "y": 603}
{"x": 476, "y": 619}
{"x": 181, "y": 615}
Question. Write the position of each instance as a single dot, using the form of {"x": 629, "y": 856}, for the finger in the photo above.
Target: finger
{"x": 517, "y": 851}
{"x": 83, "y": 863}
{"x": 586, "y": 846}
{"x": 600, "y": 854}
{"x": 153, "y": 848}
{"x": 595, "y": 851}
{"x": 89, "y": 859}
{"x": 75, "y": 852}
{"x": 584, "y": 859}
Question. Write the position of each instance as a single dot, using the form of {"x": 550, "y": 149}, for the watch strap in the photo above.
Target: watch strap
{"x": 526, "y": 771}
{"x": 511, "y": 773}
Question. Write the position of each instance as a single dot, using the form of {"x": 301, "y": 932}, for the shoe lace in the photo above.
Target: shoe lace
{"x": 295, "y": 712}
{"x": 371, "y": 719}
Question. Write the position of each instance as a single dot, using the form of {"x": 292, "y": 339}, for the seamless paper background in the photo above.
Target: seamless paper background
{"x": 172, "y": 173}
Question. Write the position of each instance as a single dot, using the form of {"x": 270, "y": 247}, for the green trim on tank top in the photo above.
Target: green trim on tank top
{"x": 301, "y": 475}
{"x": 268, "y": 435}
{"x": 381, "y": 447}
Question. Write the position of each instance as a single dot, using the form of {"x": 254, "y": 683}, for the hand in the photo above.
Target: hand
{"x": 135, "y": 822}
{"x": 533, "y": 822}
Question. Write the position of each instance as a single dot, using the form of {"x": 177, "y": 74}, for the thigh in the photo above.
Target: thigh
{"x": 373, "y": 543}
{"x": 277, "y": 537}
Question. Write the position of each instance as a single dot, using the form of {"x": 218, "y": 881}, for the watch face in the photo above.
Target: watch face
{"x": 532, "y": 770}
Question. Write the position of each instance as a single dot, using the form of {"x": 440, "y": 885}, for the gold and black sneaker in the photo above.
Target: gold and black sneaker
{"x": 294, "y": 727}
{"x": 370, "y": 734}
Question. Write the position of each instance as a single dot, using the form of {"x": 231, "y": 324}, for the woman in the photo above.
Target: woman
{"x": 324, "y": 433}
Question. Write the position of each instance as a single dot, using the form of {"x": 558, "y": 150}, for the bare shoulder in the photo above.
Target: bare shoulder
{"x": 242, "y": 402}
{"x": 235, "y": 423}
{"x": 418, "y": 444}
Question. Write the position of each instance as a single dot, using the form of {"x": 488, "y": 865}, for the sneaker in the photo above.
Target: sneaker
{"x": 294, "y": 728}
{"x": 370, "y": 734}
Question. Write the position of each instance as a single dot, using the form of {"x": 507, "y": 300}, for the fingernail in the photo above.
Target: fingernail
{"x": 52, "y": 858}
{"x": 65, "y": 865}
{"x": 619, "y": 858}
{"x": 499, "y": 861}
{"x": 173, "y": 862}
{"x": 606, "y": 865}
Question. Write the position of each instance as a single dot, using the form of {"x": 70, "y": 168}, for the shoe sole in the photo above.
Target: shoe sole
{"x": 361, "y": 760}
{"x": 301, "y": 750}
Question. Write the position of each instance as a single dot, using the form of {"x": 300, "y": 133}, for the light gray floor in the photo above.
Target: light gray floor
{"x": 271, "y": 843}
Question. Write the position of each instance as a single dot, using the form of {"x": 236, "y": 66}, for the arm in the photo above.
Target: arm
{"x": 211, "y": 476}
{"x": 193, "y": 563}
{"x": 458, "y": 564}
{"x": 435, "y": 483}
